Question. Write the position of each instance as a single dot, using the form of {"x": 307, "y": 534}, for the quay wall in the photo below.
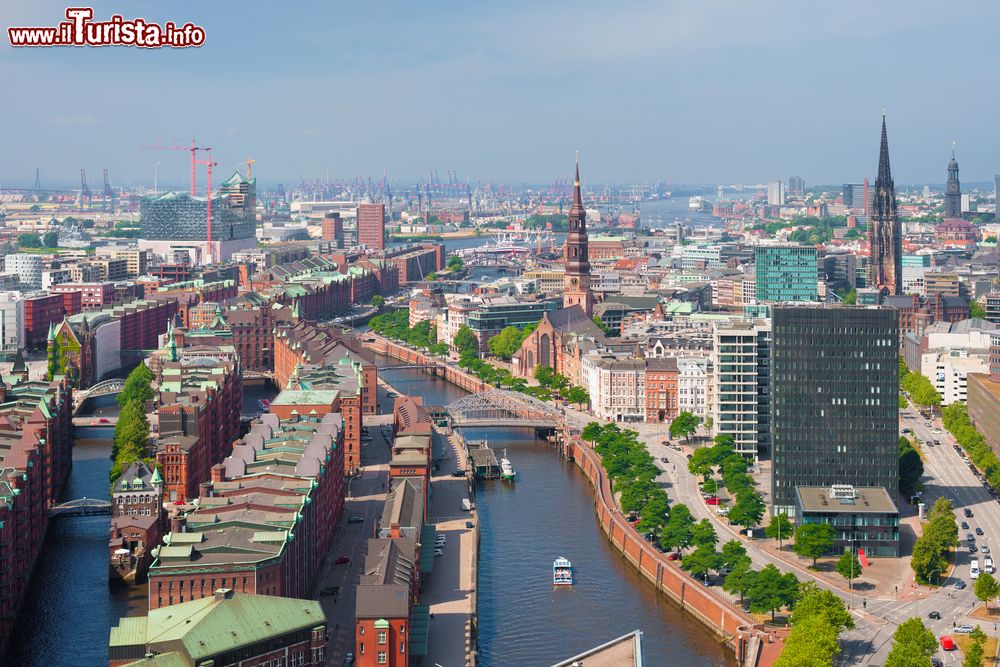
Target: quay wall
{"x": 456, "y": 376}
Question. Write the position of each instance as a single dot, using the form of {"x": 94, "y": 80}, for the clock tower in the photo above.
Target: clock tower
{"x": 576, "y": 284}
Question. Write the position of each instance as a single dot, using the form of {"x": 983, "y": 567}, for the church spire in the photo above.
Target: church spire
{"x": 884, "y": 174}
{"x": 884, "y": 230}
{"x": 577, "y": 195}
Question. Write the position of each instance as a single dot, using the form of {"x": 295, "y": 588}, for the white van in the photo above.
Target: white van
{"x": 974, "y": 569}
{"x": 988, "y": 565}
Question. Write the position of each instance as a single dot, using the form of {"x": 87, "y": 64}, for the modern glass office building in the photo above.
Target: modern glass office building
{"x": 834, "y": 398}
{"x": 177, "y": 216}
{"x": 786, "y": 273}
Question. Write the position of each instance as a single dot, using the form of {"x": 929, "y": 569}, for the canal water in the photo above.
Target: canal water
{"x": 549, "y": 512}
{"x": 66, "y": 618}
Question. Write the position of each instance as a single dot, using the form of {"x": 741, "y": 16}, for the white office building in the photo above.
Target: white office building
{"x": 11, "y": 321}
{"x": 27, "y": 267}
{"x": 741, "y": 356}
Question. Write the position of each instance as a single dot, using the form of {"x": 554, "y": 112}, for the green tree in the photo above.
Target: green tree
{"x": 29, "y": 240}
{"x": 703, "y": 534}
{"x": 812, "y": 540}
{"x": 772, "y": 590}
{"x": 848, "y": 566}
{"x": 975, "y": 654}
{"x": 976, "y": 310}
{"x": 635, "y": 494}
{"x": 748, "y": 510}
{"x": 685, "y": 424}
{"x": 986, "y": 587}
{"x": 591, "y": 431}
{"x": 653, "y": 515}
{"x": 911, "y": 468}
{"x": 455, "y": 263}
{"x": 578, "y": 396}
{"x": 815, "y": 601}
{"x": 465, "y": 341}
{"x": 545, "y": 375}
{"x": 677, "y": 533}
{"x": 733, "y": 553}
{"x": 505, "y": 343}
{"x": 51, "y": 239}
{"x": 912, "y": 644}
{"x": 740, "y": 579}
{"x": 812, "y": 642}
{"x": 378, "y": 301}
{"x": 780, "y": 528}
{"x": 701, "y": 560}
{"x": 710, "y": 485}
{"x": 54, "y": 367}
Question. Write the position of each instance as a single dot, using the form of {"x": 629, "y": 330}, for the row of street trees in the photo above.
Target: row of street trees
{"x": 919, "y": 388}
{"x": 930, "y": 551}
{"x": 131, "y": 438}
{"x": 955, "y": 418}
{"x": 748, "y": 508}
{"x": 396, "y": 325}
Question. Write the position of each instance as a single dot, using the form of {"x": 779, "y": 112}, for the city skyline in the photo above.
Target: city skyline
{"x": 656, "y": 93}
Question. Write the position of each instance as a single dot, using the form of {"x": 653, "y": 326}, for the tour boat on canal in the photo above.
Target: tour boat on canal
{"x": 507, "y": 473}
{"x": 562, "y": 572}
{"x": 264, "y": 404}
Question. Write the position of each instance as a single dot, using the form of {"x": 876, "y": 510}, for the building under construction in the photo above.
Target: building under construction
{"x": 176, "y": 221}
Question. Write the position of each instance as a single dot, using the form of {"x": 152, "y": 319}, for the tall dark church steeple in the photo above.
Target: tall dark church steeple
{"x": 953, "y": 191}
{"x": 576, "y": 284}
{"x": 885, "y": 235}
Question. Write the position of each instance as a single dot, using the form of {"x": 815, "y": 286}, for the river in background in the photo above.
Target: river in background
{"x": 67, "y": 615}
{"x": 549, "y": 512}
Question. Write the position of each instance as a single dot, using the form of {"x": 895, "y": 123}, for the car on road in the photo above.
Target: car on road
{"x": 673, "y": 555}
{"x": 329, "y": 590}
{"x": 343, "y": 560}
{"x": 936, "y": 662}
{"x": 927, "y": 424}
{"x": 349, "y": 659}
{"x": 965, "y": 525}
{"x": 969, "y": 537}
{"x": 438, "y": 552}
{"x": 356, "y": 519}
{"x": 985, "y": 548}
{"x": 469, "y": 524}
{"x": 906, "y": 429}
{"x": 103, "y": 420}
{"x": 664, "y": 459}
{"x": 973, "y": 549}
{"x": 964, "y": 629}
{"x": 458, "y": 473}
{"x": 441, "y": 540}
{"x": 937, "y": 442}
{"x": 968, "y": 513}
{"x": 934, "y": 615}
{"x": 960, "y": 584}
{"x": 979, "y": 531}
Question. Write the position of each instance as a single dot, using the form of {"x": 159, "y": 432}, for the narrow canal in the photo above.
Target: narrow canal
{"x": 66, "y": 618}
{"x": 547, "y": 513}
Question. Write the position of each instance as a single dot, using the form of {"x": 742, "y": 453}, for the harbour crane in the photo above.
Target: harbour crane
{"x": 208, "y": 202}
{"x": 250, "y": 163}
{"x": 85, "y": 192}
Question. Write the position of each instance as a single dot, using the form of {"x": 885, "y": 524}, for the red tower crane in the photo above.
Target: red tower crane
{"x": 208, "y": 205}
{"x": 193, "y": 149}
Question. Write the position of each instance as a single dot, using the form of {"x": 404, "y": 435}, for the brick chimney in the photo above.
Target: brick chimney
{"x": 205, "y": 490}
{"x": 178, "y": 524}
{"x": 219, "y": 473}
{"x": 394, "y": 531}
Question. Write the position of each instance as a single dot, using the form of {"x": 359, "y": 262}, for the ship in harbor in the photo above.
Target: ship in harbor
{"x": 699, "y": 203}
{"x": 562, "y": 572}
{"x": 507, "y": 473}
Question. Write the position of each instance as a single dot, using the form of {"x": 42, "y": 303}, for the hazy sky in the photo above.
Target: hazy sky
{"x": 702, "y": 91}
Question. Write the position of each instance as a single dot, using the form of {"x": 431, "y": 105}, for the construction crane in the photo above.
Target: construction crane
{"x": 193, "y": 149}
{"x": 85, "y": 192}
{"x": 250, "y": 163}
{"x": 208, "y": 206}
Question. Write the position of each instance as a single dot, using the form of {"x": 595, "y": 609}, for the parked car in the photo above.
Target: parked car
{"x": 469, "y": 524}
{"x": 356, "y": 519}
{"x": 979, "y": 531}
{"x": 985, "y": 548}
{"x": 965, "y": 525}
{"x": 969, "y": 537}
{"x": 936, "y": 662}
{"x": 438, "y": 552}
{"x": 673, "y": 555}
{"x": 934, "y": 615}
{"x": 968, "y": 513}
{"x": 458, "y": 473}
{"x": 960, "y": 584}
{"x": 343, "y": 560}
{"x": 964, "y": 629}
{"x": 329, "y": 590}
{"x": 712, "y": 500}
{"x": 972, "y": 548}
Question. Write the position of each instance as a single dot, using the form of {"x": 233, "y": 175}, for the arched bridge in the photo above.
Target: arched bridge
{"x": 499, "y": 407}
{"x": 403, "y": 366}
{"x": 104, "y": 388}
{"x": 81, "y": 507}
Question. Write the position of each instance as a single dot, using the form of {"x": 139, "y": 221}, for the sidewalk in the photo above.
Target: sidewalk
{"x": 450, "y": 589}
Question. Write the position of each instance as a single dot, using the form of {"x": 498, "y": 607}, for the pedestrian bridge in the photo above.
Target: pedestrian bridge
{"x": 105, "y": 388}
{"x": 502, "y": 408}
{"x": 81, "y": 507}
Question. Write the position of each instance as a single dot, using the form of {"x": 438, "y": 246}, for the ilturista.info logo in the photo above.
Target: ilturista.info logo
{"x": 80, "y": 29}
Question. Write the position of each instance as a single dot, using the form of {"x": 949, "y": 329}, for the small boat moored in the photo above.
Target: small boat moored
{"x": 506, "y": 469}
{"x": 264, "y": 404}
{"x": 562, "y": 572}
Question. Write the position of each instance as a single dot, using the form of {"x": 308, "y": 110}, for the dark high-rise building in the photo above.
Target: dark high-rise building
{"x": 885, "y": 235}
{"x": 577, "y": 278}
{"x": 371, "y": 226}
{"x": 953, "y": 191}
{"x": 796, "y": 186}
{"x": 834, "y": 398}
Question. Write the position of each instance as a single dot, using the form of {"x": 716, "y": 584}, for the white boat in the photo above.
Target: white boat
{"x": 506, "y": 469}
{"x": 562, "y": 572}
{"x": 695, "y": 203}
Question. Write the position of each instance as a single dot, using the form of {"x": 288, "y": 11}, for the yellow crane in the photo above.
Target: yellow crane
{"x": 250, "y": 164}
